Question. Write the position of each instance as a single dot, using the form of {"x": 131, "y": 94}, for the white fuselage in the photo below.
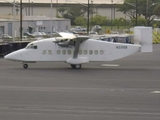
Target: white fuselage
{"x": 94, "y": 50}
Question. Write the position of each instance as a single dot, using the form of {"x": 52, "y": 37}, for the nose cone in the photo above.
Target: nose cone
{"x": 15, "y": 56}
{"x": 6, "y": 57}
{"x": 10, "y": 56}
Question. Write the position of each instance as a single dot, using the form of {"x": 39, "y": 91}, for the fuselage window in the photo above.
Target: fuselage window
{"x": 96, "y": 52}
{"x": 32, "y": 47}
{"x": 101, "y": 52}
{"x": 69, "y": 52}
{"x": 85, "y": 52}
{"x": 58, "y": 52}
{"x": 44, "y": 52}
{"x": 80, "y": 52}
{"x": 64, "y": 52}
{"x": 35, "y": 47}
{"x": 90, "y": 52}
{"x": 49, "y": 52}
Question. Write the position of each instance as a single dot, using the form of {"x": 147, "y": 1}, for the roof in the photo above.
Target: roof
{"x": 68, "y": 1}
{"x": 41, "y": 18}
{"x": 32, "y": 18}
{"x": 4, "y": 20}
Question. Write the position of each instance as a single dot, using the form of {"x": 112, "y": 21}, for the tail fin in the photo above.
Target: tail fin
{"x": 143, "y": 36}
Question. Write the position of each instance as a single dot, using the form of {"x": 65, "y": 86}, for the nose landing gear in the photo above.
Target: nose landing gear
{"x": 25, "y": 66}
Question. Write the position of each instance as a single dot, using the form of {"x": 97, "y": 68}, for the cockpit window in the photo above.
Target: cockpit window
{"x": 31, "y": 46}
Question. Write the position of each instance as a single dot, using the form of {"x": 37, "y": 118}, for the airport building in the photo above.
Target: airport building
{"x": 33, "y": 24}
{"x": 38, "y": 7}
{"x": 32, "y": 9}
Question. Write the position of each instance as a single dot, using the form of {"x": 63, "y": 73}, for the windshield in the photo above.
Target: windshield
{"x": 31, "y": 46}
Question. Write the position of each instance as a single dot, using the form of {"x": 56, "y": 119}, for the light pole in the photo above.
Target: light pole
{"x": 111, "y": 13}
{"x": 147, "y": 9}
{"x": 21, "y": 20}
{"x": 29, "y": 6}
{"x": 146, "y": 12}
{"x": 51, "y": 19}
{"x": 14, "y": 15}
{"x": 57, "y": 8}
{"x": 88, "y": 7}
{"x": 88, "y": 19}
{"x": 136, "y": 11}
{"x": 32, "y": 8}
{"x": 136, "y": 6}
{"x": 92, "y": 8}
{"x": 14, "y": 21}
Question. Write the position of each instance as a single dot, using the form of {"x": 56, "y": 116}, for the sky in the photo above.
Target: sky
{"x": 68, "y": 1}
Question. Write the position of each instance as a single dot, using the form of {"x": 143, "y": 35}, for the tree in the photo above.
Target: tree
{"x": 144, "y": 8}
{"x": 128, "y": 8}
{"x": 156, "y": 24}
{"x": 99, "y": 20}
{"x": 62, "y": 11}
{"x": 157, "y": 10}
{"x": 141, "y": 21}
{"x": 119, "y": 22}
{"x": 80, "y": 21}
{"x": 73, "y": 12}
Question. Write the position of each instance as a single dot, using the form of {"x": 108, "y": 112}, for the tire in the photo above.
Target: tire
{"x": 73, "y": 66}
{"x": 25, "y": 66}
{"x": 77, "y": 66}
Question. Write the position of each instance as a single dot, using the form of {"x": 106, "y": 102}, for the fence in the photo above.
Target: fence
{"x": 6, "y": 48}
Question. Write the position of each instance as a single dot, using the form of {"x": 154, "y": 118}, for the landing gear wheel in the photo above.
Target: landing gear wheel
{"x": 25, "y": 66}
{"x": 73, "y": 66}
{"x": 77, "y": 66}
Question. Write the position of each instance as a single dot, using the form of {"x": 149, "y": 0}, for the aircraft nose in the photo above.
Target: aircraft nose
{"x": 12, "y": 56}
{"x": 9, "y": 57}
{"x": 6, "y": 57}
{"x": 15, "y": 56}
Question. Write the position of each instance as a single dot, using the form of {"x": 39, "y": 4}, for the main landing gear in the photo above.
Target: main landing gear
{"x": 25, "y": 66}
{"x": 77, "y": 66}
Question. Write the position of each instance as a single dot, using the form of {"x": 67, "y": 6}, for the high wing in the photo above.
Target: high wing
{"x": 76, "y": 61}
{"x": 67, "y": 35}
{"x": 65, "y": 39}
{"x": 70, "y": 39}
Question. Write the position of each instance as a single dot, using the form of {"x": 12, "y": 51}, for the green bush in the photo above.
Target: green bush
{"x": 156, "y": 38}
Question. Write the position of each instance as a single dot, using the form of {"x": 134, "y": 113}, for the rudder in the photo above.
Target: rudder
{"x": 143, "y": 36}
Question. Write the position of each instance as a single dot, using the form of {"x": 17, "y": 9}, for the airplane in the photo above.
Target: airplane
{"x": 77, "y": 50}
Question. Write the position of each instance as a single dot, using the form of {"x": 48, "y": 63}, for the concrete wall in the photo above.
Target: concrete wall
{"x": 44, "y": 9}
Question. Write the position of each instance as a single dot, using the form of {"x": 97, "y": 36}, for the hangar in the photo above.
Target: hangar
{"x": 33, "y": 24}
{"x": 37, "y": 14}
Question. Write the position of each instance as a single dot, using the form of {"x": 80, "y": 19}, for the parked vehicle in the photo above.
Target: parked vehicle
{"x": 28, "y": 34}
{"x": 5, "y": 36}
{"x": 37, "y": 34}
{"x": 78, "y": 28}
{"x": 43, "y": 33}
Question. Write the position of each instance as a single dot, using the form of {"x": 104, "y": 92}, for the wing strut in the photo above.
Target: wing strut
{"x": 79, "y": 40}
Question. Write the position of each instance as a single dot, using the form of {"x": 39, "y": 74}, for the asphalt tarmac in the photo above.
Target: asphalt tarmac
{"x": 126, "y": 89}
